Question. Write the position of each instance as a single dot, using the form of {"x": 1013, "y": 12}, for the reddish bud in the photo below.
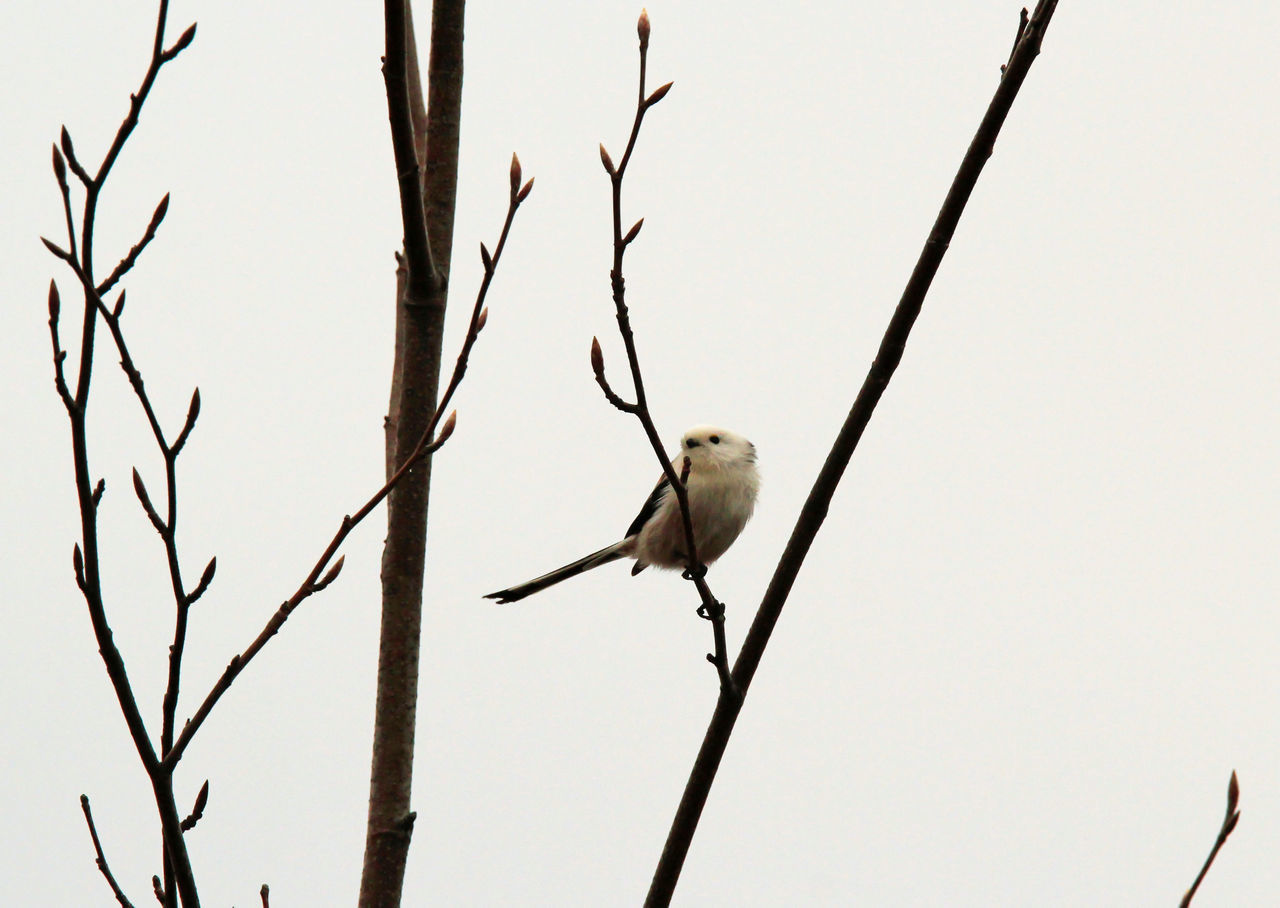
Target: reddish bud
{"x": 486, "y": 258}
{"x": 515, "y": 172}
{"x": 642, "y": 28}
{"x": 482, "y": 319}
{"x": 658, "y": 94}
{"x": 1233, "y": 793}
{"x": 633, "y": 232}
{"x": 524, "y": 193}
{"x": 606, "y": 160}
{"x": 597, "y": 358}
{"x": 161, "y": 210}
{"x": 55, "y": 302}
{"x": 447, "y": 429}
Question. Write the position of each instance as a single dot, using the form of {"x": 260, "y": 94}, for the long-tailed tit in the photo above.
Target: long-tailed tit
{"x": 722, "y": 485}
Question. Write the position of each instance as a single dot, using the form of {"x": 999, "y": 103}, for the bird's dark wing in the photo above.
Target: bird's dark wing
{"x": 650, "y": 506}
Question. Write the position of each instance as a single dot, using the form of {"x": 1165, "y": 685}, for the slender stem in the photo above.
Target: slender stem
{"x": 711, "y": 608}
{"x": 101, "y": 857}
{"x": 815, "y": 508}
{"x": 1228, "y": 826}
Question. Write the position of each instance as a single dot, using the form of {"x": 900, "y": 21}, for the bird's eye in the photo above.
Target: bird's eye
{"x": 715, "y": 439}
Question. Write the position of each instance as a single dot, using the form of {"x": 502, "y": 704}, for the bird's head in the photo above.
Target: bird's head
{"x": 710, "y": 446}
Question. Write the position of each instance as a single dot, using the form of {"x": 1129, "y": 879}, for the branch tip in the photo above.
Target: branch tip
{"x": 482, "y": 319}
{"x": 55, "y": 302}
{"x": 486, "y": 259}
{"x": 59, "y": 167}
{"x": 633, "y": 232}
{"x": 447, "y": 429}
{"x": 524, "y": 192}
{"x": 604, "y": 159}
{"x": 642, "y": 28}
{"x": 658, "y": 94}
{"x": 119, "y": 307}
{"x": 597, "y": 358}
{"x": 183, "y": 42}
{"x": 59, "y": 251}
{"x": 515, "y": 173}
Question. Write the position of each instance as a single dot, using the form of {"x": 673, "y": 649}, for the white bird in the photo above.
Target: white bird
{"x": 723, "y": 482}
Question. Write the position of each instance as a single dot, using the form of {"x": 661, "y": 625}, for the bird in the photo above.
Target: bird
{"x": 723, "y": 483}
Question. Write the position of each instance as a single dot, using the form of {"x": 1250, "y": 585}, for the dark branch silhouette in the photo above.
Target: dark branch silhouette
{"x": 1228, "y": 826}
{"x": 815, "y": 507}
{"x": 101, "y": 859}
{"x": 711, "y": 608}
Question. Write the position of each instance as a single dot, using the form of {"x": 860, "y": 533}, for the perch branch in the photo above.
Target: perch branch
{"x": 711, "y": 608}
{"x": 815, "y": 507}
{"x": 101, "y": 859}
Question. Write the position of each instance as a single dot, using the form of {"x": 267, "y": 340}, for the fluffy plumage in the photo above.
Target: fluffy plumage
{"x": 723, "y": 483}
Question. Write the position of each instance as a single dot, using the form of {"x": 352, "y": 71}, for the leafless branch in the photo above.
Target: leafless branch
{"x": 1228, "y": 826}
{"x": 102, "y": 858}
{"x": 131, "y": 257}
{"x": 711, "y": 608}
{"x": 427, "y": 445}
{"x": 815, "y": 508}
{"x": 79, "y": 255}
{"x": 424, "y": 280}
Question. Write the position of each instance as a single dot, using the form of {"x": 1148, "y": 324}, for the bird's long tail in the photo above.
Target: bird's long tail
{"x": 595, "y": 559}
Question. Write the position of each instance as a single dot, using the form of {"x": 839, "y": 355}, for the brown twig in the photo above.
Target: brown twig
{"x": 197, "y": 812}
{"x": 101, "y": 859}
{"x": 265, "y": 893}
{"x": 428, "y": 444}
{"x": 424, "y": 280}
{"x": 711, "y": 608}
{"x": 1228, "y": 826}
{"x": 815, "y": 508}
{"x": 79, "y": 254}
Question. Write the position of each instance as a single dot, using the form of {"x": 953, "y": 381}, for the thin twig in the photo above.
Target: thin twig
{"x": 428, "y": 444}
{"x": 815, "y": 508}
{"x": 1228, "y": 826}
{"x": 424, "y": 279}
{"x": 101, "y": 859}
{"x": 178, "y": 873}
{"x": 711, "y": 608}
{"x": 131, "y": 257}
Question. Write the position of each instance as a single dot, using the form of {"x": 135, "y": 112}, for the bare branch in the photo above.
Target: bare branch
{"x": 424, "y": 280}
{"x": 711, "y": 608}
{"x": 101, "y": 859}
{"x": 428, "y": 444}
{"x": 1228, "y": 826}
{"x": 132, "y": 257}
{"x": 815, "y": 508}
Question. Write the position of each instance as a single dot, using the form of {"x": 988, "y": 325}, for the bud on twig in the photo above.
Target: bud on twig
{"x": 633, "y": 232}
{"x": 524, "y": 193}
{"x": 331, "y": 575}
{"x": 604, "y": 159}
{"x": 482, "y": 319}
{"x": 486, "y": 258}
{"x": 161, "y": 210}
{"x": 62, "y": 253}
{"x": 55, "y": 303}
{"x": 597, "y": 358}
{"x": 447, "y": 429}
{"x": 183, "y": 42}
{"x": 59, "y": 167}
{"x": 658, "y": 94}
{"x": 642, "y": 28}
{"x": 515, "y": 172}
{"x": 119, "y": 307}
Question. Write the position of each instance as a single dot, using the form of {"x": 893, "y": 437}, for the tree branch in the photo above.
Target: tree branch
{"x": 101, "y": 859}
{"x": 711, "y": 608}
{"x": 815, "y": 508}
{"x": 1228, "y": 826}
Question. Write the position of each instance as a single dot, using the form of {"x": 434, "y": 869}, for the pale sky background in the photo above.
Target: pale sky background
{"x": 1036, "y": 634}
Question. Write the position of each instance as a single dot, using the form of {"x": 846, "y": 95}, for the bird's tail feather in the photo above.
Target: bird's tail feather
{"x": 537, "y": 584}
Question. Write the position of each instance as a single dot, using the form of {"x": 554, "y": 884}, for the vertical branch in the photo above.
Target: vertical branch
{"x": 420, "y": 311}
{"x": 711, "y": 609}
{"x": 815, "y": 507}
{"x": 1228, "y": 826}
{"x": 80, "y": 256}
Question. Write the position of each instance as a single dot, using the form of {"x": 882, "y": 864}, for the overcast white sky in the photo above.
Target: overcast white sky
{"x": 1036, "y": 634}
